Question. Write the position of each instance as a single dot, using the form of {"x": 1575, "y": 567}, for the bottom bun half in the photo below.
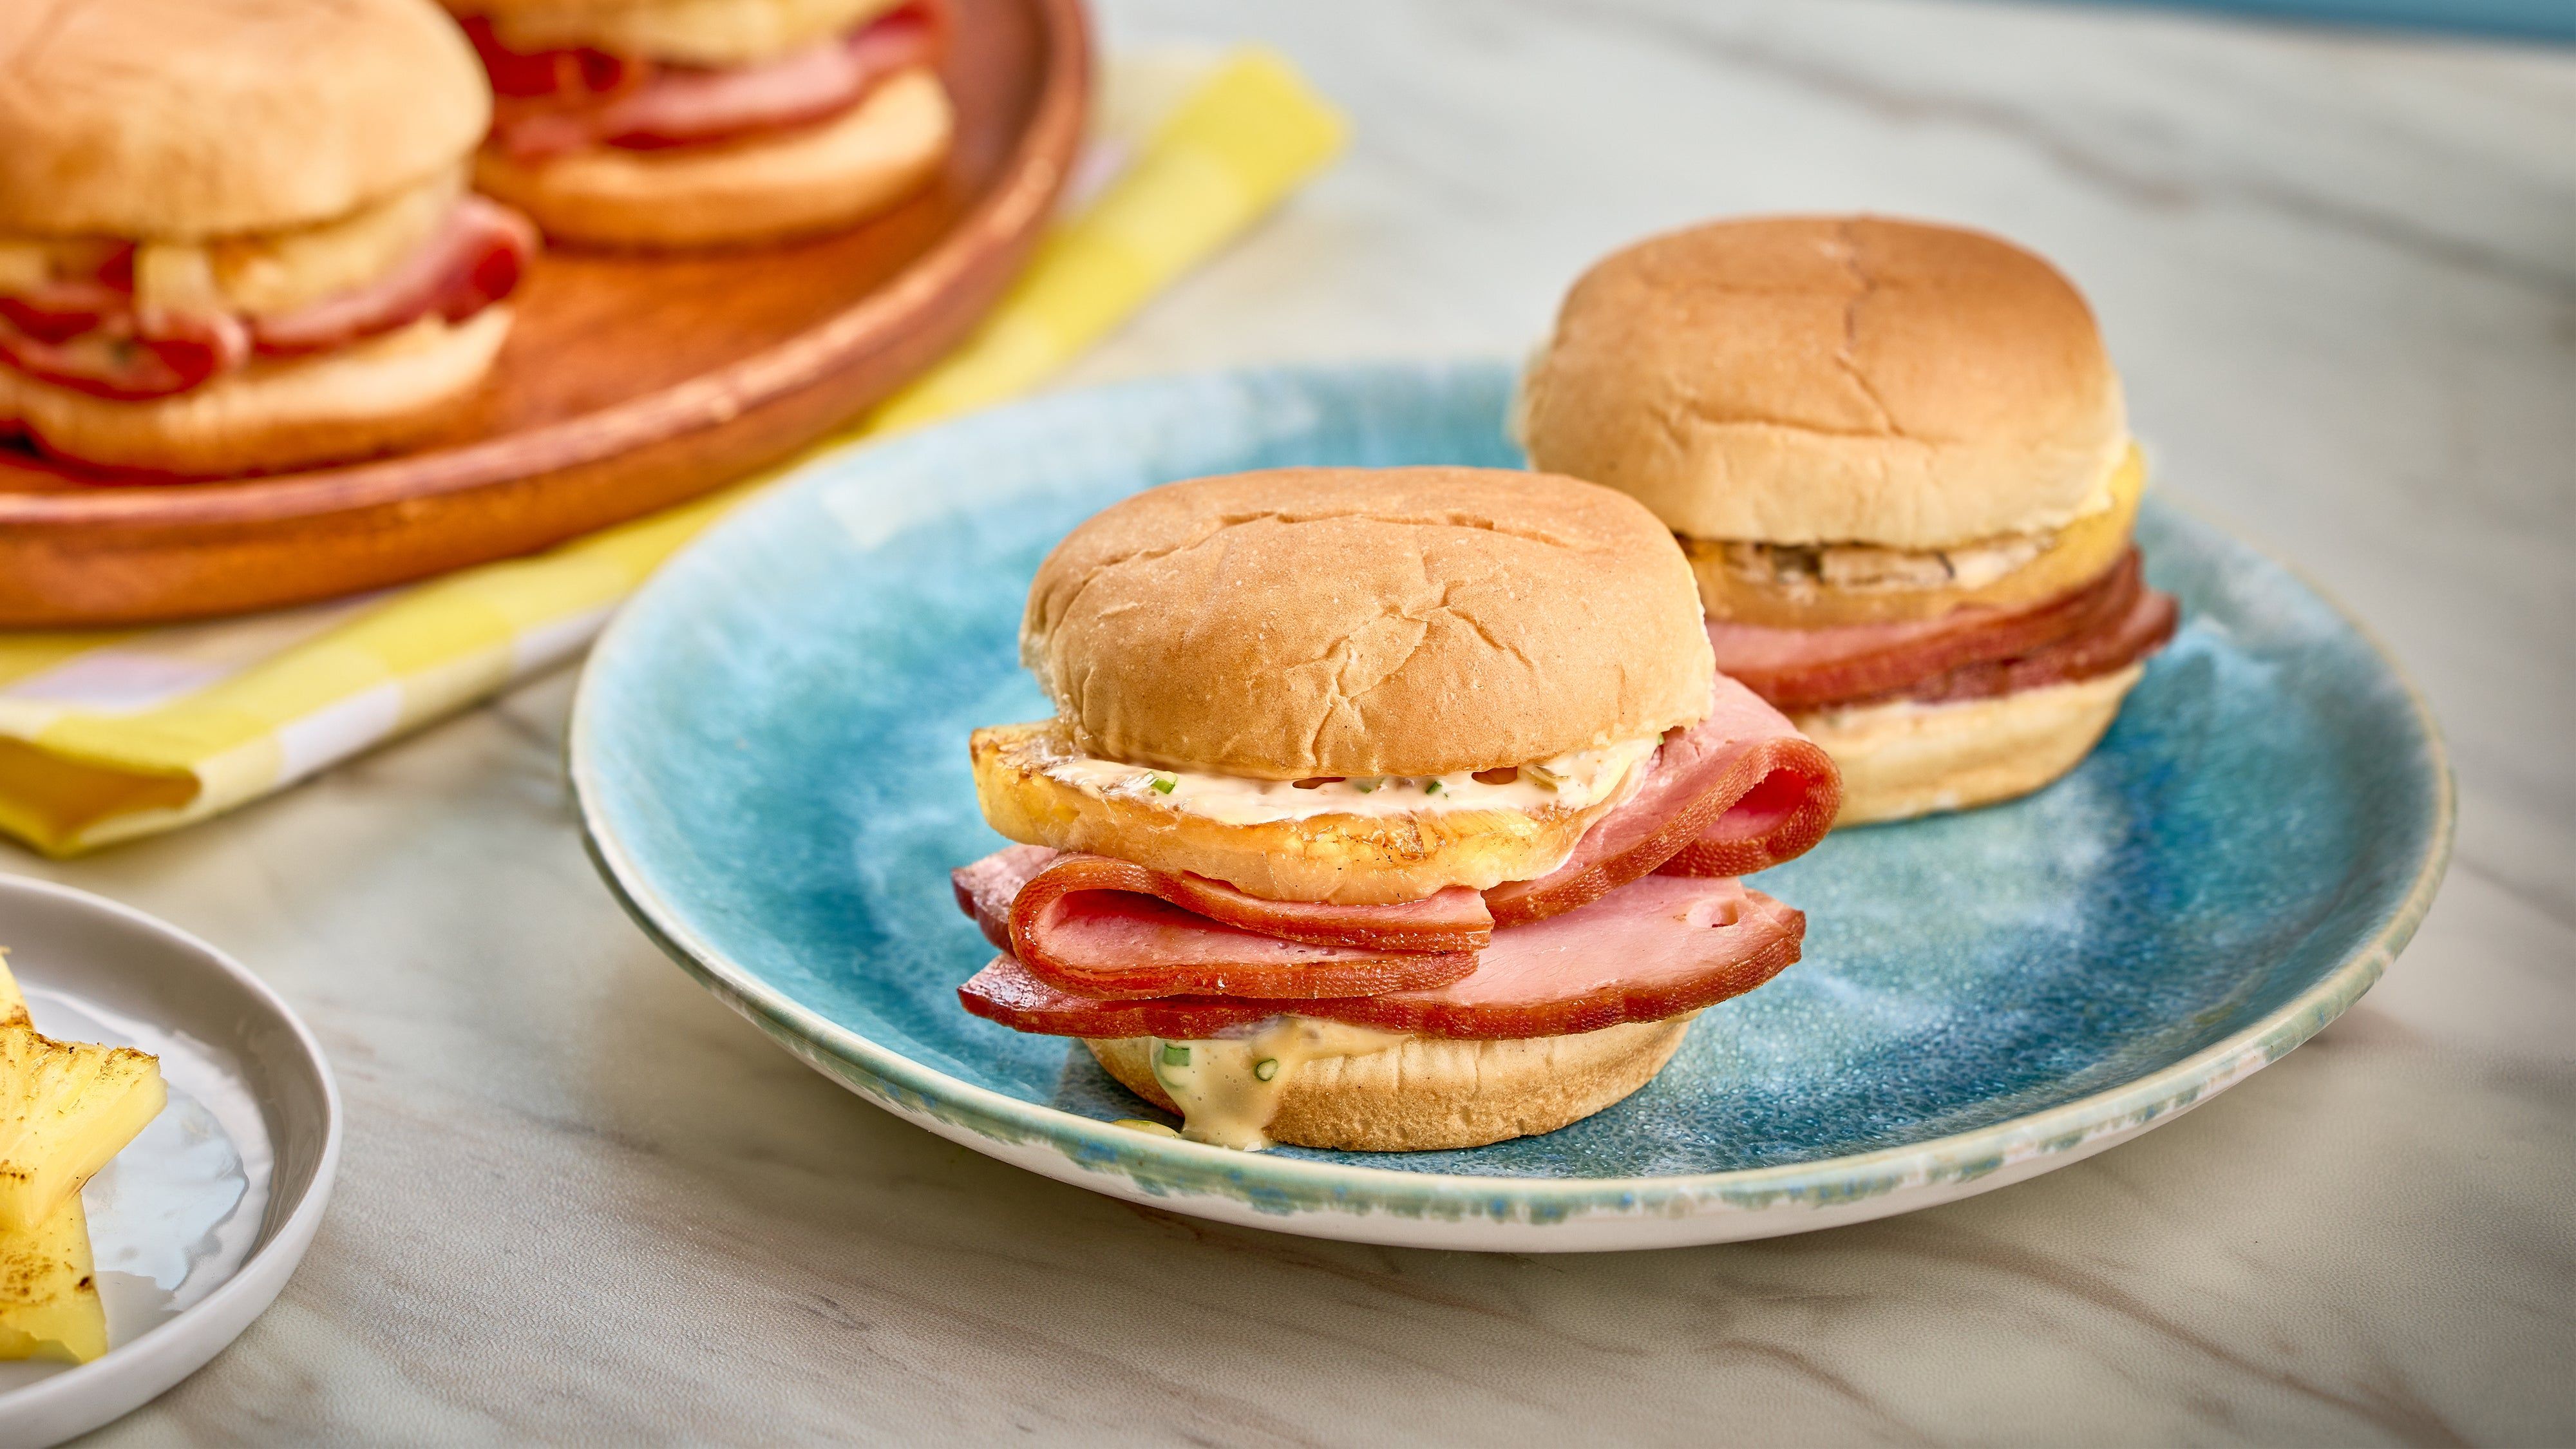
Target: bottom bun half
{"x": 1428, "y": 1093}
{"x": 798, "y": 183}
{"x": 374, "y": 397}
{"x": 1905, "y": 759}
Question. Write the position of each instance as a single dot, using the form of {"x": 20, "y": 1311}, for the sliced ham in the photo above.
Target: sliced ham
{"x": 126, "y": 355}
{"x": 1812, "y": 668}
{"x": 1112, "y": 928}
{"x": 474, "y": 259}
{"x": 555, "y": 102}
{"x": 1741, "y": 790}
{"x": 91, "y": 337}
{"x": 1008, "y": 992}
{"x": 2147, "y": 626}
{"x": 1652, "y": 949}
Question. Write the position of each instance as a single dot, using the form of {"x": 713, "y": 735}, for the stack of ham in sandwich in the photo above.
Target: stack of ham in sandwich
{"x": 1897, "y": 456}
{"x": 235, "y": 234}
{"x": 1382, "y": 809}
{"x": 685, "y": 123}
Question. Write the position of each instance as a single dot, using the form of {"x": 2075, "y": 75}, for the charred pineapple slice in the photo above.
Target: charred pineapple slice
{"x": 65, "y": 1109}
{"x": 49, "y": 1306}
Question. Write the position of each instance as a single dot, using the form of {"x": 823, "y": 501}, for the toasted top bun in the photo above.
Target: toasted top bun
{"x": 187, "y": 119}
{"x": 1361, "y": 622}
{"x": 690, "y": 32}
{"x": 1804, "y": 380}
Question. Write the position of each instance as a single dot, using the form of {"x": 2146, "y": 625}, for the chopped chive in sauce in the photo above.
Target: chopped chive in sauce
{"x": 1364, "y": 786}
{"x": 1431, "y": 787}
{"x": 1265, "y": 1069}
{"x": 1175, "y": 1054}
{"x": 1163, "y": 784}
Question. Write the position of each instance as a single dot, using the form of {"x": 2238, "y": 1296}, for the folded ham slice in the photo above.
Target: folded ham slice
{"x": 91, "y": 337}
{"x": 1812, "y": 668}
{"x": 1652, "y": 949}
{"x": 2147, "y": 626}
{"x": 1739, "y": 791}
{"x": 474, "y": 259}
{"x": 553, "y": 102}
{"x": 1111, "y": 928}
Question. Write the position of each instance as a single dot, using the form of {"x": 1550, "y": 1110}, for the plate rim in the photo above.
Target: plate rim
{"x": 1178, "y": 1167}
{"x": 132, "y": 1374}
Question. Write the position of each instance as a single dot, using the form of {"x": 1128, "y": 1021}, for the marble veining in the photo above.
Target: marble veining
{"x": 582, "y": 1201}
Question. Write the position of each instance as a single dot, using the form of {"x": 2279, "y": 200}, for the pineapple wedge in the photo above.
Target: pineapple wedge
{"x": 65, "y": 1109}
{"x": 49, "y": 1306}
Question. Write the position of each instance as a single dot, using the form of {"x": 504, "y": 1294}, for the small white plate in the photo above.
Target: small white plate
{"x": 197, "y": 1224}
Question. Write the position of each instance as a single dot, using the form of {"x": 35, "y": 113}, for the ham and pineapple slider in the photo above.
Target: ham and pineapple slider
{"x": 687, "y": 123}
{"x": 1897, "y": 456}
{"x": 1347, "y": 827}
{"x": 235, "y": 234}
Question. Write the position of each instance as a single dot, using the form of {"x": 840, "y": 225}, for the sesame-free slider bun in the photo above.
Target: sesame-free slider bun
{"x": 1355, "y": 622}
{"x": 763, "y": 188}
{"x": 185, "y": 119}
{"x": 1902, "y": 759}
{"x": 1425, "y": 1094}
{"x": 374, "y": 396}
{"x": 1803, "y": 380}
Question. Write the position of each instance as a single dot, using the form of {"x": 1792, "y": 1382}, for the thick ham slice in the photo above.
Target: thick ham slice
{"x": 120, "y": 354}
{"x": 1653, "y": 949}
{"x": 2146, "y": 627}
{"x": 474, "y": 259}
{"x": 1813, "y": 668}
{"x": 554, "y": 102}
{"x": 1111, "y": 928}
{"x": 1741, "y": 790}
{"x": 91, "y": 337}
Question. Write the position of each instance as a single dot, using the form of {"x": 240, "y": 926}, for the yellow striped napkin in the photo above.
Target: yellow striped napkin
{"x": 109, "y": 735}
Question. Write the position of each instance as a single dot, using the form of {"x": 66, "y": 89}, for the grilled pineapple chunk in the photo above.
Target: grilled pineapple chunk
{"x": 65, "y": 1109}
{"x": 49, "y": 1306}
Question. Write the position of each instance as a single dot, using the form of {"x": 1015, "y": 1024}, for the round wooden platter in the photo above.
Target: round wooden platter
{"x": 629, "y": 383}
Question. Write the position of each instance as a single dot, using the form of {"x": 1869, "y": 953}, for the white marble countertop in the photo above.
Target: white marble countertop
{"x": 583, "y": 1201}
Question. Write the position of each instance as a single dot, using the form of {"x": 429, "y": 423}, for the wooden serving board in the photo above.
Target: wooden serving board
{"x": 628, "y": 384}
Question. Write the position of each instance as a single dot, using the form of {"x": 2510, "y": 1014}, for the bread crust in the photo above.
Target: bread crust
{"x": 1903, "y": 759}
{"x": 1830, "y": 379}
{"x": 1346, "y": 859}
{"x": 1358, "y": 622}
{"x": 814, "y": 179}
{"x": 181, "y": 120}
{"x": 1429, "y": 1093}
{"x": 373, "y": 397}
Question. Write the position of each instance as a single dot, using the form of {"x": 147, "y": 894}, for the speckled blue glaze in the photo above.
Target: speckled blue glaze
{"x": 770, "y": 750}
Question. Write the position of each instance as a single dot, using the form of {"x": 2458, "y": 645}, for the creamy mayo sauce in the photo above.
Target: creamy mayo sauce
{"x": 1568, "y": 782}
{"x": 1228, "y": 1089}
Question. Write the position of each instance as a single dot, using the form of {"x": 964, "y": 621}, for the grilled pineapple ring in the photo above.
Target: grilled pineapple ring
{"x": 1348, "y": 859}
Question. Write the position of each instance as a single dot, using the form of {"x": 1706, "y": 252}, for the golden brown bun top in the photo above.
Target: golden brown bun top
{"x": 1361, "y": 622}
{"x": 182, "y": 119}
{"x": 1830, "y": 379}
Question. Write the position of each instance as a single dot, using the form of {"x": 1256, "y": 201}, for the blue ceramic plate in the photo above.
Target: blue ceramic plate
{"x": 770, "y": 749}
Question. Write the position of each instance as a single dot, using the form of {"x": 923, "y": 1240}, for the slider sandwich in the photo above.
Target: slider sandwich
{"x": 1391, "y": 809}
{"x": 689, "y": 123}
{"x": 1897, "y": 457}
{"x": 235, "y": 234}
